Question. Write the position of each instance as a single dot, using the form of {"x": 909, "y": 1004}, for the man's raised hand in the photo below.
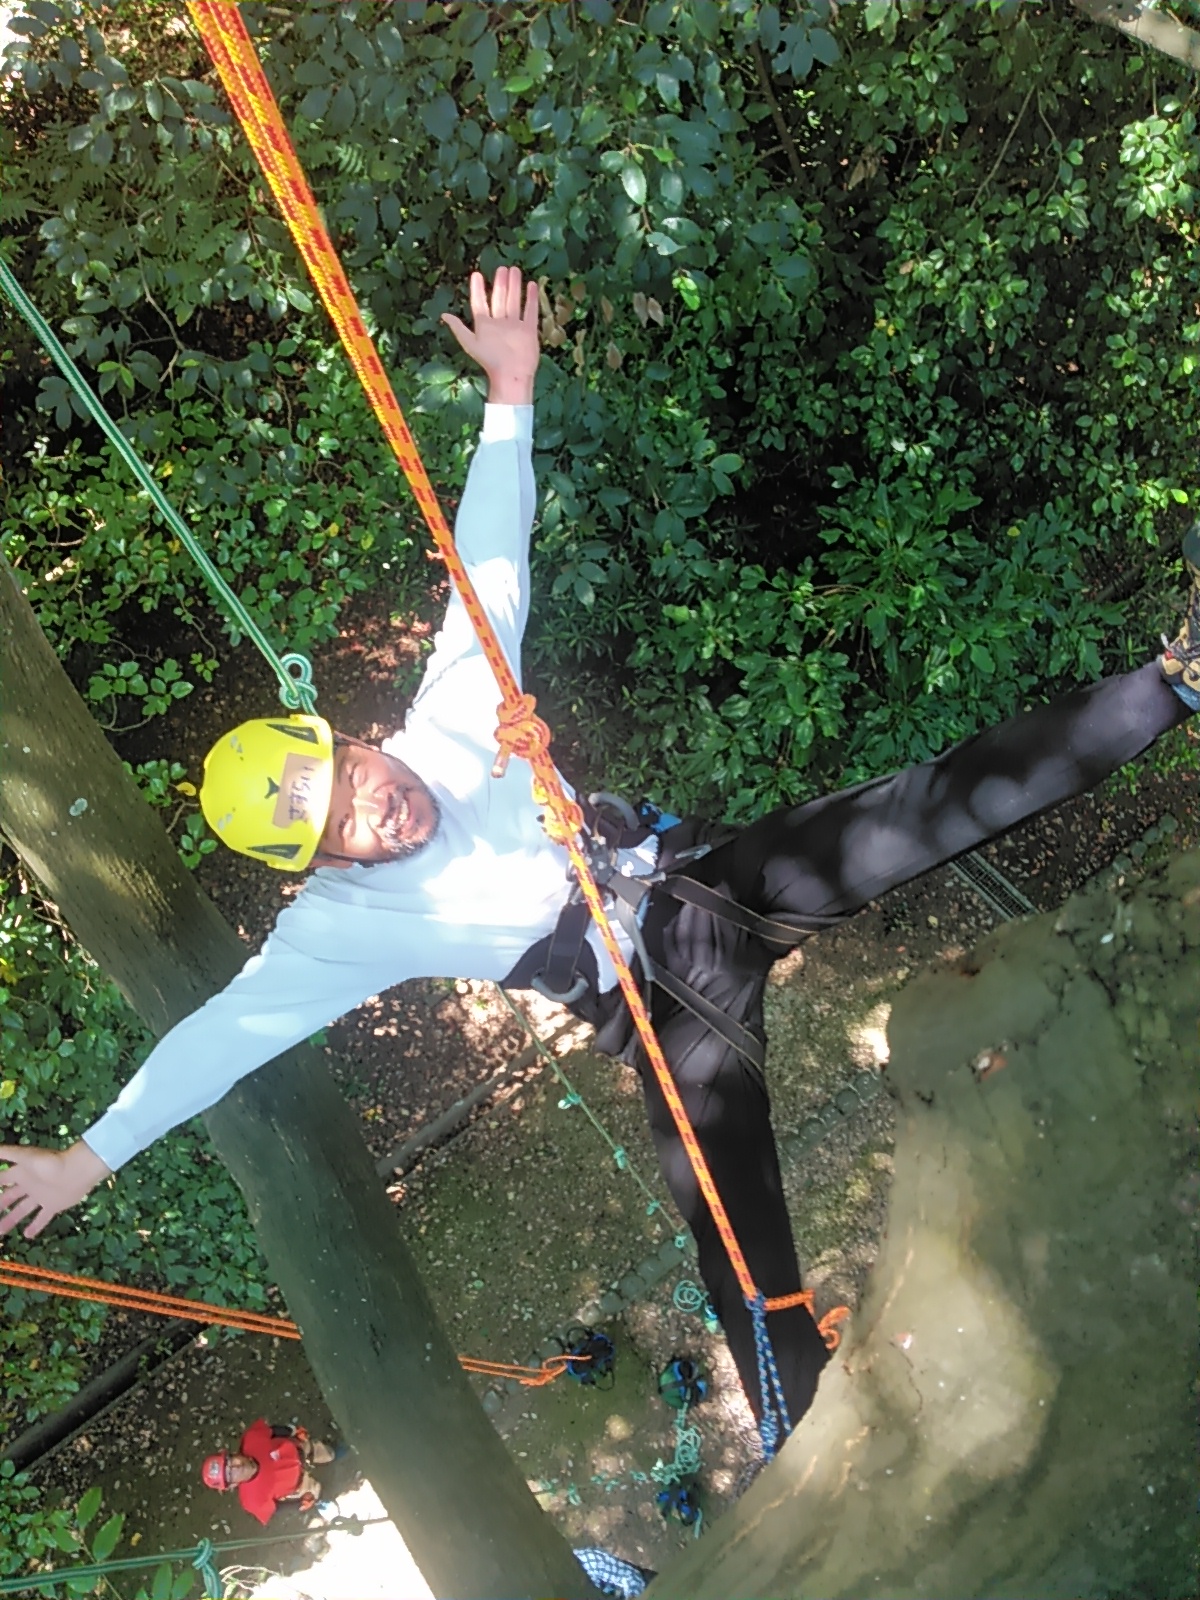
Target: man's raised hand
{"x": 504, "y": 339}
{"x": 38, "y": 1184}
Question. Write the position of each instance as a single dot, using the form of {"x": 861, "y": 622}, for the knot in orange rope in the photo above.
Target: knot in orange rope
{"x": 521, "y": 732}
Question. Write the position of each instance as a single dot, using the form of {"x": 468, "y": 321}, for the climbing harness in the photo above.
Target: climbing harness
{"x": 611, "y": 826}
{"x": 590, "y": 1357}
{"x": 682, "y": 1383}
{"x": 680, "y": 1503}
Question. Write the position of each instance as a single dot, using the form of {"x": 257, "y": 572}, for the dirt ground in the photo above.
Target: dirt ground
{"x": 523, "y": 1222}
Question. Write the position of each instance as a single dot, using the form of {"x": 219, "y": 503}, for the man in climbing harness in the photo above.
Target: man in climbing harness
{"x": 270, "y": 1468}
{"x": 431, "y": 864}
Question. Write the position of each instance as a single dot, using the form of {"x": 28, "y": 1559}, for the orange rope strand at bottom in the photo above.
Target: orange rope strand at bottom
{"x": 73, "y": 1287}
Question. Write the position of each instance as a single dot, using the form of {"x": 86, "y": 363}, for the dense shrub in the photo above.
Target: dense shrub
{"x": 871, "y": 345}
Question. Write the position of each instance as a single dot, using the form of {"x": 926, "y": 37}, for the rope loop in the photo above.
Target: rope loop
{"x": 299, "y": 693}
{"x": 828, "y": 1326}
{"x": 687, "y": 1297}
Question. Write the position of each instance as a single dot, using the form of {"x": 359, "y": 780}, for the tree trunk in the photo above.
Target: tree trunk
{"x": 370, "y": 1331}
{"x": 1012, "y": 1413}
{"x": 1145, "y": 25}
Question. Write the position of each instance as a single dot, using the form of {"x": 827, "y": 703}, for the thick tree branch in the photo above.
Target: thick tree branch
{"x": 1155, "y": 28}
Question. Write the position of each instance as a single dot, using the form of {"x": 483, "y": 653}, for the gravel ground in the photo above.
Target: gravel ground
{"x": 523, "y": 1222}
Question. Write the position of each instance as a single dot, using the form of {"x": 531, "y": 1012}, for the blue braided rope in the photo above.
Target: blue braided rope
{"x": 775, "y": 1423}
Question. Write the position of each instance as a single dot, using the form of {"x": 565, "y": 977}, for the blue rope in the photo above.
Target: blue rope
{"x": 775, "y": 1423}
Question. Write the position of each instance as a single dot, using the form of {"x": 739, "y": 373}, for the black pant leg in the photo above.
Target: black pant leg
{"x": 834, "y": 854}
{"x": 727, "y": 1104}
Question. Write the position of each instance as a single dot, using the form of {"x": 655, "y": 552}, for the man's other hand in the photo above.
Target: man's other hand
{"x": 504, "y": 340}
{"x": 38, "y": 1184}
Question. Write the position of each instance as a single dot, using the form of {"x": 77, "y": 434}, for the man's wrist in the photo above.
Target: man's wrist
{"x": 510, "y": 389}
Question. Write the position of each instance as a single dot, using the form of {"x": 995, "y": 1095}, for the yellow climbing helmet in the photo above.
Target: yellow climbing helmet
{"x": 266, "y": 789}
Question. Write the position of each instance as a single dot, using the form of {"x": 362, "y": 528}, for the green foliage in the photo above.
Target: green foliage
{"x": 69, "y": 1040}
{"x": 892, "y": 309}
{"x": 34, "y": 1536}
{"x": 32, "y": 1533}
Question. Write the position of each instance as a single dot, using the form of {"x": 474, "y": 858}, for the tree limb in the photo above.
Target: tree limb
{"x": 1155, "y": 28}
{"x": 781, "y": 127}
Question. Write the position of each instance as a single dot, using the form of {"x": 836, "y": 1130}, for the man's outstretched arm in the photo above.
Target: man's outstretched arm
{"x": 495, "y": 514}
{"x": 280, "y": 997}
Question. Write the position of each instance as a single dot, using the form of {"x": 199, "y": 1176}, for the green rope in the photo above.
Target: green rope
{"x": 293, "y": 671}
{"x": 201, "y": 1558}
{"x": 574, "y": 1098}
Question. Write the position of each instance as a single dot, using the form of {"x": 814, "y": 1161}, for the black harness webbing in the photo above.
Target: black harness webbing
{"x": 769, "y": 929}
{"x": 559, "y": 977}
{"x": 720, "y": 1023}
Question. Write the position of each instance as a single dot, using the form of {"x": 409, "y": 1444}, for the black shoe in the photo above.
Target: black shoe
{"x": 1180, "y": 660}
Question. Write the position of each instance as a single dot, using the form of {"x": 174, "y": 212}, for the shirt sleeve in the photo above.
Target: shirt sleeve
{"x": 279, "y": 998}
{"x": 491, "y": 534}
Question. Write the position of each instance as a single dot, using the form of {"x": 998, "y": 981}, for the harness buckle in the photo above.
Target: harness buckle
{"x": 576, "y": 992}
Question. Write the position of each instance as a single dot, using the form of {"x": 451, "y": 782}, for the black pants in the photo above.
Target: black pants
{"x": 830, "y": 857}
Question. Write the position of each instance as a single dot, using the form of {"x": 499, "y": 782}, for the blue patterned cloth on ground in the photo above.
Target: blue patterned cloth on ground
{"x": 610, "y": 1574}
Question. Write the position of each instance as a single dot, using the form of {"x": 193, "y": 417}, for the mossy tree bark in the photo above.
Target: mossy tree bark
{"x": 370, "y": 1331}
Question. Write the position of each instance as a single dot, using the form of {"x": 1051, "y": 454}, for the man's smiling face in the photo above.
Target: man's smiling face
{"x": 379, "y": 810}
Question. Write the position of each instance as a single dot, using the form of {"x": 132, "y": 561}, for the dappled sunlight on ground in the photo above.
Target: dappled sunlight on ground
{"x": 372, "y": 1565}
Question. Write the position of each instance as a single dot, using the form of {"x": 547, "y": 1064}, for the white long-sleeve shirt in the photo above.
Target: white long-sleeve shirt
{"x": 487, "y": 886}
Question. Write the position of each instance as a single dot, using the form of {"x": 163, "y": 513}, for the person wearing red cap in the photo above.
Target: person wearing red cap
{"x": 269, "y": 1468}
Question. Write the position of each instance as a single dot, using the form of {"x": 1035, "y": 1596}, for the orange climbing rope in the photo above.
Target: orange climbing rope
{"x": 17, "y": 1275}
{"x": 521, "y": 731}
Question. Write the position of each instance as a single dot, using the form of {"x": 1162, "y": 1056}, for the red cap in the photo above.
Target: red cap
{"x": 215, "y": 1471}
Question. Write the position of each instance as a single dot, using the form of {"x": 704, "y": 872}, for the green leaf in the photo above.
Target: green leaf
{"x": 439, "y": 116}
{"x": 341, "y": 111}
{"x": 981, "y": 658}
{"x": 107, "y": 1538}
{"x": 315, "y": 104}
{"x": 824, "y": 46}
{"x": 160, "y": 1584}
{"x": 633, "y": 181}
{"x": 485, "y": 56}
{"x": 101, "y": 151}
{"x": 297, "y": 297}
